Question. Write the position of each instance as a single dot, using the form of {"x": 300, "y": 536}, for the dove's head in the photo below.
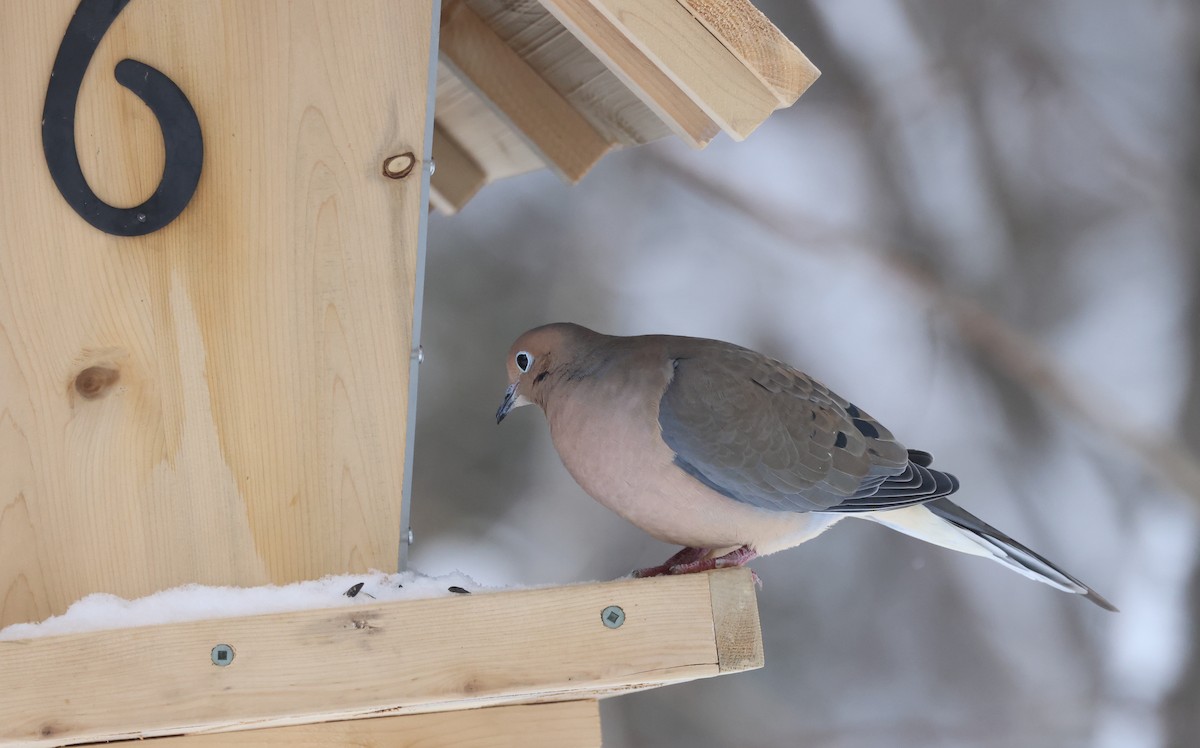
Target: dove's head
{"x": 536, "y": 357}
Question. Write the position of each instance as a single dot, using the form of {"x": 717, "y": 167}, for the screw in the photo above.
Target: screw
{"x": 612, "y": 616}
{"x": 419, "y": 354}
{"x": 431, "y": 167}
{"x": 409, "y": 537}
{"x": 141, "y": 217}
{"x": 222, "y": 655}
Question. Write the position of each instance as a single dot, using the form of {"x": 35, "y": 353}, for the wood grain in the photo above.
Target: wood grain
{"x": 551, "y": 125}
{"x": 635, "y": 70}
{"x": 717, "y": 81}
{"x": 416, "y": 656}
{"x": 457, "y": 176}
{"x": 490, "y": 140}
{"x": 568, "y": 724}
{"x": 255, "y": 430}
{"x": 761, "y": 47}
{"x": 570, "y": 68}
{"x": 735, "y": 620}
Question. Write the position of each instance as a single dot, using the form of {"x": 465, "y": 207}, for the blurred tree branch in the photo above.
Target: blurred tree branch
{"x": 1007, "y": 350}
{"x": 1182, "y": 718}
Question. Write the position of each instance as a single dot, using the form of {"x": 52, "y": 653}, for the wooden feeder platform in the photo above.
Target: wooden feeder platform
{"x": 529, "y": 665}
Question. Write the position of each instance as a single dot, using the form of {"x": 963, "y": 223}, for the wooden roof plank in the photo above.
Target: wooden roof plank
{"x": 687, "y": 52}
{"x": 761, "y": 47}
{"x": 456, "y": 175}
{"x": 635, "y": 70}
{"x": 551, "y": 125}
{"x": 563, "y": 61}
{"x": 492, "y": 141}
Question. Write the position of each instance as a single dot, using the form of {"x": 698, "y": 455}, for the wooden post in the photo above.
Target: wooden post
{"x": 222, "y": 398}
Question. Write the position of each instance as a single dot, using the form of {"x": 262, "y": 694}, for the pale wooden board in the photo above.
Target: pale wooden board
{"x": 717, "y": 81}
{"x": 551, "y": 125}
{"x": 415, "y": 656}
{"x": 635, "y": 70}
{"x": 568, "y": 724}
{"x": 762, "y": 47}
{"x": 735, "y": 618}
{"x": 257, "y": 429}
{"x": 490, "y": 141}
{"x": 456, "y": 178}
{"x": 572, "y": 69}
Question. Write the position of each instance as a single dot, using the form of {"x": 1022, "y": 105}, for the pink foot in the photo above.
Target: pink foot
{"x": 740, "y": 557}
{"x": 684, "y": 556}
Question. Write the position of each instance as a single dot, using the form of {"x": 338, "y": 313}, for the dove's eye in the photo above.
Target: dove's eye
{"x": 524, "y": 361}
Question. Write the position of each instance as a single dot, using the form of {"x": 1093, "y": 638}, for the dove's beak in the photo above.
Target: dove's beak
{"x": 510, "y": 399}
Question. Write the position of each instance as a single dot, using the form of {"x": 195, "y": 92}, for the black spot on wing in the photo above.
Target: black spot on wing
{"x": 841, "y": 441}
{"x": 866, "y": 428}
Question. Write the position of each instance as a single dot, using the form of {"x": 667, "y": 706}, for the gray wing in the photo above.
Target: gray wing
{"x": 761, "y": 432}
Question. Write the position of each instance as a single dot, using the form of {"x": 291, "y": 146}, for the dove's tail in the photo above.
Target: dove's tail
{"x": 944, "y": 523}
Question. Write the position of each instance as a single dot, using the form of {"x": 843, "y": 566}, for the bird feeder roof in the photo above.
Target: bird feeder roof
{"x": 529, "y": 84}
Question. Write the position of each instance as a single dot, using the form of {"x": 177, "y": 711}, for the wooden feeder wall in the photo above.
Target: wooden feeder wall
{"x": 227, "y": 398}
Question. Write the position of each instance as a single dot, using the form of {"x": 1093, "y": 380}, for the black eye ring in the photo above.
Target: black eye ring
{"x": 524, "y": 361}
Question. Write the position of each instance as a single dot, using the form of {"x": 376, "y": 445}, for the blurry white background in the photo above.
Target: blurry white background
{"x": 981, "y": 224}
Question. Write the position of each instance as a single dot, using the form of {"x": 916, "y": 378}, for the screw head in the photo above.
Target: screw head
{"x": 612, "y": 617}
{"x": 222, "y": 655}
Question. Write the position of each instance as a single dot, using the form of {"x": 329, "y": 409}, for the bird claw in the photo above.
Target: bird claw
{"x": 739, "y": 557}
{"x": 693, "y": 560}
{"x": 684, "y": 556}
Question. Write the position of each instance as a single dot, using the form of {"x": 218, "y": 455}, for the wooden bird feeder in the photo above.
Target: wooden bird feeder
{"x": 210, "y": 291}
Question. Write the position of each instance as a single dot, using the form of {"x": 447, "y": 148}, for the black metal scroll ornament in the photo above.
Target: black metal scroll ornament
{"x": 176, "y": 118}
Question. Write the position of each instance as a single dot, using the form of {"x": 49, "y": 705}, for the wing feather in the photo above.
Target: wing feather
{"x": 761, "y": 432}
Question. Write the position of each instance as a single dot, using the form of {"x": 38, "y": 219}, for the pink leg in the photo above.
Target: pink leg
{"x": 684, "y": 556}
{"x": 740, "y": 557}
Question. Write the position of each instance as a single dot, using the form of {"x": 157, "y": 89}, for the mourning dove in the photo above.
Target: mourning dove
{"x": 735, "y": 455}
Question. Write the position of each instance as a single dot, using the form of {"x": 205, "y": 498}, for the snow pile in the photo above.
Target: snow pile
{"x": 193, "y": 602}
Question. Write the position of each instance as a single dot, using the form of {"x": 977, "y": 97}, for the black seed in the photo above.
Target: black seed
{"x": 841, "y": 440}
{"x": 459, "y": 590}
{"x": 353, "y": 590}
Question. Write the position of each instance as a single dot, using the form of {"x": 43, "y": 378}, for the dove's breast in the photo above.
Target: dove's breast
{"x": 607, "y": 434}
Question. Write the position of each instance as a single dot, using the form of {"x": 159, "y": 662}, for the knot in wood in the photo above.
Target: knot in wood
{"x": 95, "y": 381}
{"x": 400, "y": 166}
